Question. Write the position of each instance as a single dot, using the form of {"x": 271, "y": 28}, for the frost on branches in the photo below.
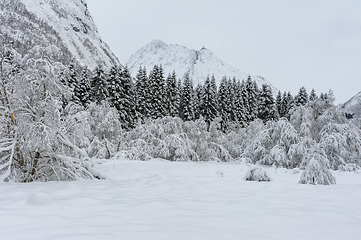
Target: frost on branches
{"x": 317, "y": 171}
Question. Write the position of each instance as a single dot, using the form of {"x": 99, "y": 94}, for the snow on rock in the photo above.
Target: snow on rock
{"x": 73, "y": 25}
{"x": 295, "y": 170}
{"x": 198, "y": 64}
{"x": 353, "y": 107}
{"x": 257, "y": 174}
{"x": 40, "y": 198}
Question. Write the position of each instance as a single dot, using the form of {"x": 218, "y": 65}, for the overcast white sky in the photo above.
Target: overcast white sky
{"x": 292, "y": 43}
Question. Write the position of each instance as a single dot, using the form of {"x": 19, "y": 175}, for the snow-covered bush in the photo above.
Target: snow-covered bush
{"x": 257, "y": 174}
{"x": 317, "y": 171}
{"x": 271, "y": 145}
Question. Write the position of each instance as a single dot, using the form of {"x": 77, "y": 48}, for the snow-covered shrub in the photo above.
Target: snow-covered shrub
{"x": 276, "y": 156}
{"x": 317, "y": 171}
{"x": 341, "y": 143}
{"x": 271, "y": 145}
{"x": 257, "y": 174}
{"x": 349, "y": 167}
{"x": 297, "y": 152}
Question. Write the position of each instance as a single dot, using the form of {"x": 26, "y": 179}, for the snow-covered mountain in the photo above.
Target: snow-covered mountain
{"x": 198, "y": 64}
{"x": 66, "y": 26}
{"x": 353, "y": 106}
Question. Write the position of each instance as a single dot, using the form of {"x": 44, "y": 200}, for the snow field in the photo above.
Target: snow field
{"x": 159, "y": 199}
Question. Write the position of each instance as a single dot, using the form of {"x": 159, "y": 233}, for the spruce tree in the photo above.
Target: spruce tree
{"x": 313, "y": 95}
{"x": 114, "y": 86}
{"x": 223, "y": 103}
{"x": 98, "y": 84}
{"x": 251, "y": 99}
{"x": 209, "y": 101}
{"x": 284, "y": 106}
{"x": 279, "y": 103}
{"x": 266, "y": 105}
{"x": 290, "y": 104}
{"x": 126, "y": 104}
{"x": 157, "y": 89}
{"x": 82, "y": 89}
{"x": 72, "y": 79}
{"x": 231, "y": 99}
{"x": 240, "y": 117}
{"x": 172, "y": 95}
{"x": 198, "y": 96}
{"x": 302, "y": 97}
{"x": 142, "y": 92}
{"x": 187, "y": 100}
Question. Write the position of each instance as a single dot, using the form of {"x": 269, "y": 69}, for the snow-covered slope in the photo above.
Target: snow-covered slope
{"x": 353, "y": 106}
{"x": 198, "y": 64}
{"x": 66, "y": 24}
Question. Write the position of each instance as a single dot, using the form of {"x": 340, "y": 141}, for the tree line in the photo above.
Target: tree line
{"x": 153, "y": 96}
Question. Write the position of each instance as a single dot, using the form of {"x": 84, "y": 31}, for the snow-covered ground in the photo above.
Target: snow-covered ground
{"x": 182, "y": 200}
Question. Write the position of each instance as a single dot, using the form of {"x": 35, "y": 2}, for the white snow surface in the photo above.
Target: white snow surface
{"x": 199, "y": 64}
{"x": 75, "y": 26}
{"x": 159, "y": 199}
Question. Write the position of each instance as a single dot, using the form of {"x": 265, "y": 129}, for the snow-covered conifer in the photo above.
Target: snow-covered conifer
{"x": 209, "y": 101}
{"x": 313, "y": 95}
{"x": 142, "y": 91}
{"x": 82, "y": 88}
{"x": 172, "y": 95}
{"x": 99, "y": 86}
{"x": 266, "y": 104}
{"x": 157, "y": 89}
{"x": 187, "y": 106}
{"x": 302, "y": 97}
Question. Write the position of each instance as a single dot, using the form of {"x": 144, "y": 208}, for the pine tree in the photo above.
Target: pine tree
{"x": 157, "y": 88}
{"x": 187, "y": 100}
{"x": 209, "y": 101}
{"x": 82, "y": 88}
{"x": 99, "y": 86}
{"x": 172, "y": 95}
{"x": 267, "y": 107}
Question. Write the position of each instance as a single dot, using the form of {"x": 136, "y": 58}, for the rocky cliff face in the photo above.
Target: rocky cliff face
{"x": 197, "y": 63}
{"x": 65, "y": 26}
{"x": 352, "y": 107}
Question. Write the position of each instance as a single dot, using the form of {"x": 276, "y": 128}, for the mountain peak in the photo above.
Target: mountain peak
{"x": 157, "y": 44}
{"x": 198, "y": 64}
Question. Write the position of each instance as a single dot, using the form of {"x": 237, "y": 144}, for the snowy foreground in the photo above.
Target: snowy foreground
{"x": 182, "y": 200}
